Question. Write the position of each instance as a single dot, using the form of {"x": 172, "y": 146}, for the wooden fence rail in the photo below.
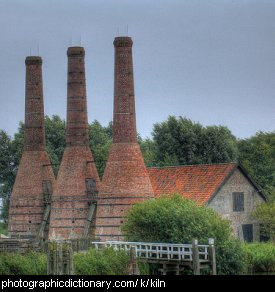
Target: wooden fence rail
{"x": 158, "y": 251}
{"x": 196, "y": 256}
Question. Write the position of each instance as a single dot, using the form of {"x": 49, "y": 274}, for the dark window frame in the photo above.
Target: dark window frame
{"x": 238, "y": 201}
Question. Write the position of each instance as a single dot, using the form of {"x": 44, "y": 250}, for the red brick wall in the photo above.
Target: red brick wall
{"x": 124, "y": 129}
{"x": 125, "y": 180}
{"x": 77, "y": 121}
{"x": 70, "y": 202}
{"x": 27, "y": 199}
{"x": 34, "y": 138}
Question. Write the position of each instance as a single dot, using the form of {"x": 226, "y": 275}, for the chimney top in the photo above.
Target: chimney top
{"x": 123, "y": 42}
{"x": 75, "y": 51}
{"x": 33, "y": 60}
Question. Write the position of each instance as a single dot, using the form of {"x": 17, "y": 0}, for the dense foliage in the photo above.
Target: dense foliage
{"x": 3, "y": 228}
{"x": 8, "y": 168}
{"x": 178, "y": 220}
{"x": 265, "y": 214}
{"x": 100, "y": 139}
{"x": 257, "y": 154}
{"x": 181, "y": 141}
{"x": 91, "y": 262}
{"x": 104, "y": 262}
{"x": 31, "y": 263}
{"x": 259, "y": 257}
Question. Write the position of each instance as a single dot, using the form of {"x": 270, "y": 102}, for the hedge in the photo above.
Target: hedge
{"x": 259, "y": 257}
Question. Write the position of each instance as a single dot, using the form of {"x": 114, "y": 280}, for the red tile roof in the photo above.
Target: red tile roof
{"x": 197, "y": 182}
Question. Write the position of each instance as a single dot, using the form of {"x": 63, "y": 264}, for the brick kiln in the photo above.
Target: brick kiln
{"x": 35, "y": 178}
{"x": 74, "y": 197}
{"x": 125, "y": 180}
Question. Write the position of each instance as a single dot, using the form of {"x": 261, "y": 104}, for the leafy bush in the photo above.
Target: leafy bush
{"x": 3, "y": 228}
{"x": 265, "y": 214}
{"x": 259, "y": 257}
{"x": 229, "y": 257}
{"x": 178, "y": 220}
{"x": 92, "y": 262}
{"x": 31, "y": 263}
{"x": 103, "y": 262}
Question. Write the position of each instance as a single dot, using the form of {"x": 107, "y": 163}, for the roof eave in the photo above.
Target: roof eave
{"x": 245, "y": 173}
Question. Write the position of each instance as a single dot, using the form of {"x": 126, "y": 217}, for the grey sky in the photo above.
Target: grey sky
{"x": 212, "y": 61}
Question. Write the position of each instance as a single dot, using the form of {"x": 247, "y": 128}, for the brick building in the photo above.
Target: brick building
{"x": 226, "y": 188}
{"x": 77, "y": 183}
{"x": 76, "y": 204}
{"x": 35, "y": 178}
{"x": 125, "y": 180}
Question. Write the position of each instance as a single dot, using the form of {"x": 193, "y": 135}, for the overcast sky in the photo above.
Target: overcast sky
{"x": 212, "y": 61}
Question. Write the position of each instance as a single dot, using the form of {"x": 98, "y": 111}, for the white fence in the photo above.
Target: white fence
{"x": 159, "y": 251}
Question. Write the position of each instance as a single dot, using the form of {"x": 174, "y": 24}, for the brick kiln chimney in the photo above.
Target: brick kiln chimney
{"x": 125, "y": 180}
{"x": 35, "y": 178}
{"x": 73, "y": 204}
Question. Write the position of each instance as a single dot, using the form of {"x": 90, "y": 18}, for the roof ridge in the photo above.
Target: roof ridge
{"x": 189, "y": 165}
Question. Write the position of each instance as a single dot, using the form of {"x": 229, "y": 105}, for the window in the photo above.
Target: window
{"x": 238, "y": 202}
{"x": 248, "y": 232}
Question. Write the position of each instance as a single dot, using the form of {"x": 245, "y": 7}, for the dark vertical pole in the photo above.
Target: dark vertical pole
{"x": 196, "y": 261}
{"x": 212, "y": 256}
{"x": 177, "y": 269}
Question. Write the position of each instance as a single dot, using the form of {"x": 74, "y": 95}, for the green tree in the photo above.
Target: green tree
{"x": 55, "y": 132}
{"x": 148, "y": 149}
{"x": 257, "y": 154}
{"x": 181, "y": 141}
{"x": 265, "y": 214}
{"x": 100, "y": 140}
{"x": 178, "y": 220}
{"x": 7, "y": 171}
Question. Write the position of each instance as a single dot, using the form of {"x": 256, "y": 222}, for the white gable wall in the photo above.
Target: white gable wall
{"x": 222, "y": 203}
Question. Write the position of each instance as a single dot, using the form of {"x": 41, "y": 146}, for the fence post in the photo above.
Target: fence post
{"x": 195, "y": 257}
{"x": 60, "y": 259}
{"x": 212, "y": 256}
{"x": 133, "y": 268}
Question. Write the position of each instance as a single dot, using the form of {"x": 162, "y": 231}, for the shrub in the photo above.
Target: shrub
{"x": 229, "y": 257}
{"x": 3, "y": 228}
{"x": 178, "y": 220}
{"x": 259, "y": 257}
{"x": 92, "y": 262}
{"x": 31, "y": 263}
{"x": 103, "y": 262}
{"x": 265, "y": 214}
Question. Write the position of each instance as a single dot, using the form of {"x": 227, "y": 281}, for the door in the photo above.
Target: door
{"x": 248, "y": 232}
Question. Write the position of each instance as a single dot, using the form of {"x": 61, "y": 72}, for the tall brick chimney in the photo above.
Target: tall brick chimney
{"x": 125, "y": 180}
{"x": 74, "y": 198}
{"x": 35, "y": 179}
